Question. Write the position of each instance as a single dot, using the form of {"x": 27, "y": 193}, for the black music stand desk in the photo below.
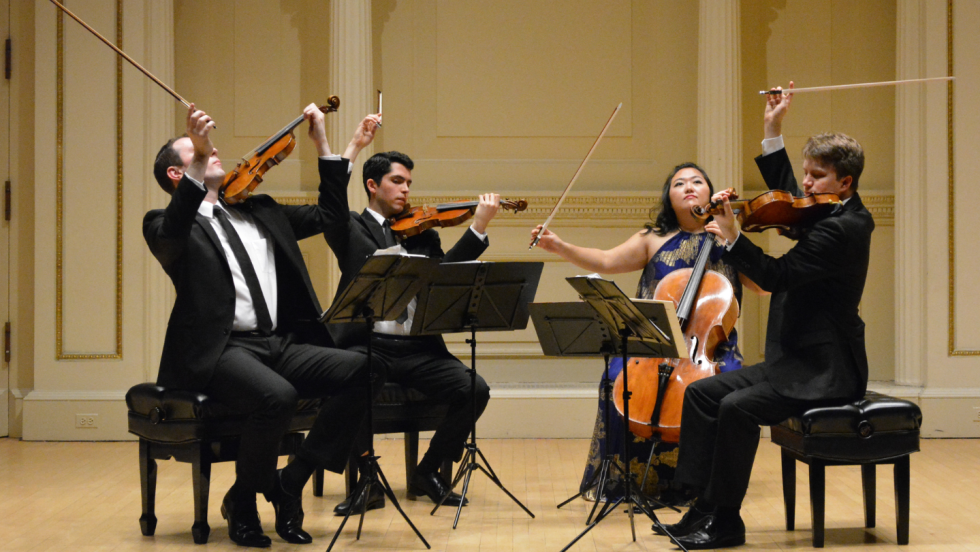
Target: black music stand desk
{"x": 576, "y": 330}
{"x": 659, "y": 333}
{"x": 474, "y": 296}
{"x": 381, "y": 290}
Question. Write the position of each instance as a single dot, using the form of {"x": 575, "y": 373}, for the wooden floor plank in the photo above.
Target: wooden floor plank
{"x": 85, "y": 496}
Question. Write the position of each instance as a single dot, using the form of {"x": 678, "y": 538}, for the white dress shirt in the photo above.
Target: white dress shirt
{"x": 260, "y": 248}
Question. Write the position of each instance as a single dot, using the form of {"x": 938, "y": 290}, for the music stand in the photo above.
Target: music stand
{"x": 617, "y": 311}
{"x": 381, "y": 290}
{"x": 469, "y": 296}
{"x": 576, "y": 330}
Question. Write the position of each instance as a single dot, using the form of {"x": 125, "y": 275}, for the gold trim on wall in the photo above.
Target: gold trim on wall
{"x": 59, "y": 324}
{"x": 602, "y": 211}
{"x": 951, "y": 228}
{"x": 605, "y": 211}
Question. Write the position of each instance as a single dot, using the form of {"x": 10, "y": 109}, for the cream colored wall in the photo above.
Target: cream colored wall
{"x": 813, "y": 44}
{"x": 512, "y": 110}
{"x": 951, "y": 376}
{"x": 91, "y": 130}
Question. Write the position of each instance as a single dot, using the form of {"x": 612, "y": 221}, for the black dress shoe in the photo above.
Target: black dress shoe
{"x": 717, "y": 532}
{"x": 432, "y": 485}
{"x": 289, "y": 514}
{"x": 692, "y": 520}
{"x": 244, "y": 527}
{"x": 375, "y": 500}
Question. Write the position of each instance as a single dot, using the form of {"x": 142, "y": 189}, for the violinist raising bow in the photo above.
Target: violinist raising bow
{"x": 422, "y": 363}
{"x": 671, "y": 242}
{"x": 815, "y": 352}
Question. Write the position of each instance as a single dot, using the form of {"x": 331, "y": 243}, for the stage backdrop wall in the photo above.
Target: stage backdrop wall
{"x": 483, "y": 100}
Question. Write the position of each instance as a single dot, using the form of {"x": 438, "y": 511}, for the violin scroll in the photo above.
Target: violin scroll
{"x": 333, "y": 104}
{"x": 515, "y": 205}
{"x": 713, "y": 207}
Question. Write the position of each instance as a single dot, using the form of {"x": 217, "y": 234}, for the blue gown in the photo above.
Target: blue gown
{"x": 680, "y": 251}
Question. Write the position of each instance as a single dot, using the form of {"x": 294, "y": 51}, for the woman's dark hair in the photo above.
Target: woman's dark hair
{"x": 663, "y": 215}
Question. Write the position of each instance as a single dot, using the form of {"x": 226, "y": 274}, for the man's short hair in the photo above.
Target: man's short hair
{"x": 167, "y": 157}
{"x": 840, "y": 151}
{"x": 379, "y": 165}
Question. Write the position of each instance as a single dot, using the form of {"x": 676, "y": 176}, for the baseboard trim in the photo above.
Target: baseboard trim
{"x": 518, "y": 410}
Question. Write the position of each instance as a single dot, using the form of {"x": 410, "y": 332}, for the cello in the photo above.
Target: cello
{"x": 707, "y": 312}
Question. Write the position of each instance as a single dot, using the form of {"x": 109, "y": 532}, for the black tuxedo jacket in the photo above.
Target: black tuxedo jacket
{"x": 189, "y": 250}
{"x": 354, "y": 237}
{"x": 815, "y": 337}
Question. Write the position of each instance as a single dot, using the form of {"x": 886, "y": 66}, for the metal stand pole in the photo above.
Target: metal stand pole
{"x": 374, "y": 474}
{"x": 469, "y": 463}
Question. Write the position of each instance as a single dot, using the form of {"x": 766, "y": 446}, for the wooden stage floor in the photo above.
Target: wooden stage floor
{"x": 86, "y": 496}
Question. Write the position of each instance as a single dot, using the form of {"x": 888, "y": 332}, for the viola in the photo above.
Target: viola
{"x": 239, "y": 183}
{"x": 775, "y": 209}
{"x": 707, "y": 311}
{"x": 415, "y": 220}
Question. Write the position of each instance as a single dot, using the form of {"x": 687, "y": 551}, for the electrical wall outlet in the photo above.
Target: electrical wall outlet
{"x": 86, "y": 421}
{"x": 976, "y": 414}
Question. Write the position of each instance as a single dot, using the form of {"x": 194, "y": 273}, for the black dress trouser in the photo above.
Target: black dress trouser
{"x": 720, "y": 431}
{"x": 424, "y": 363}
{"x": 265, "y": 377}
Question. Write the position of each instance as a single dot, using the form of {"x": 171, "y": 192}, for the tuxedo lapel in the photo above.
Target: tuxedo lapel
{"x": 373, "y": 228}
{"x": 279, "y": 229}
{"x": 209, "y": 230}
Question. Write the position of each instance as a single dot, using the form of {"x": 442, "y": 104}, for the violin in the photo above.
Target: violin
{"x": 239, "y": 183}
{"x": 707, "y": 311}
{"x": 415, "y": 220}
{"x": 775, "y": 209}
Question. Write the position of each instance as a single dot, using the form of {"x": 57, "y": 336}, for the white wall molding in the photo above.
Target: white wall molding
{"x": 159, "y": 117}
{"x": 39, "y": 395}
{"x": 910, "y": 194}
{"x": 720, "y": 91}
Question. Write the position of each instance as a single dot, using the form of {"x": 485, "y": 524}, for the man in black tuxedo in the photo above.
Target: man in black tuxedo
{"x": 244, "y": 324}
{"x": 815, "y": 352}
{"x": 423, "y": 363}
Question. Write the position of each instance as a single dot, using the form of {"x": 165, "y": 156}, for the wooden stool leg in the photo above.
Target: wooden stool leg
{"x": 318, "y": 482}
{"x": 869, "y": 485}
{"x": 411, "y": 460}
{"x": 817, "y": 502}
{"x": 201, "y": 475}
{"x": 902, "y": 498}
{"x": 789, "y": 489}
{"x": 148, "y": 488}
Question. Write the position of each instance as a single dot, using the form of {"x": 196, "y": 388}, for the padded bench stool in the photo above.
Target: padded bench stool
{"x": 877, "y": 429}
{"x": 400, "y": 409}
{"x": 190, "y": 427}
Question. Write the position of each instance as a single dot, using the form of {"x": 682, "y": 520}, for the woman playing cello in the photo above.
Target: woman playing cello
{"x": 672, "y": 241}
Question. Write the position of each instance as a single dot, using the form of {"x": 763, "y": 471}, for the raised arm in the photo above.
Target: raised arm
{"x": 166, "y": 230}
{"x": 363, "y": 136}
